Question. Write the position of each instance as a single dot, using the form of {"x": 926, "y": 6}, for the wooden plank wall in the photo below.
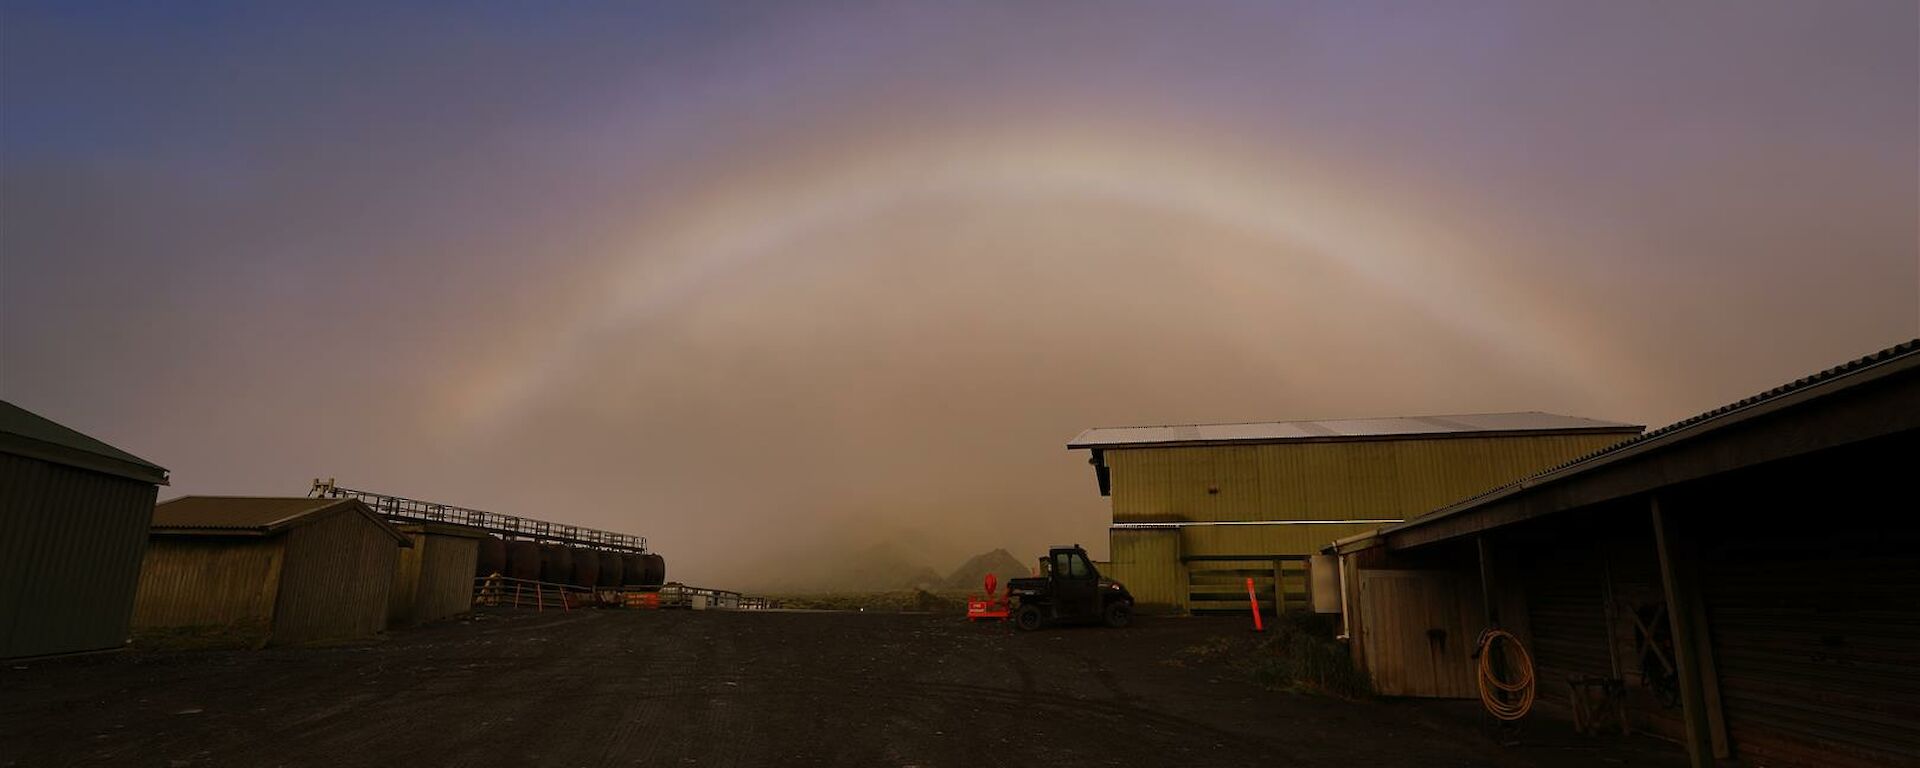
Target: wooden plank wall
{"x": 1419, "y": 632}
{"x": 225, "y": 583}
{"x": 433, "y": 579}
{"x": 338, "y": 575}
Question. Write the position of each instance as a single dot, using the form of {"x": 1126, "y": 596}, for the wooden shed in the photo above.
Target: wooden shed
{"x": 267, "y": 570}
{"x": 433, "y": 579}
{"x": 73, "y": 527}
{"x": 1745, "y": 581}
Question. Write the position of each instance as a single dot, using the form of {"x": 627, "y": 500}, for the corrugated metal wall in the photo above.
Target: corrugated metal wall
{"x": 433, "y": 579}
{"x": 335, "y": 583}
{"x": 1326, "y": 481}
{"x": 1148, "y": 563}
{"x": 1263, "y": 539}
{"x": 1388, "y": 479}
{"x": 71, "y": 541}
{"x": 227, "y": 583}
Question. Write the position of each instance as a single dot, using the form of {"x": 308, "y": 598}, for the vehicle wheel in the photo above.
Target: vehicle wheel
{"x": 1118, "y": 615}
{"x": 1028, "y": 618}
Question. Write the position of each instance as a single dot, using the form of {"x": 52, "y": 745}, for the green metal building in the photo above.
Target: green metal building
{"x": 73, "y": 526}
{"x": 1198, "y": 509}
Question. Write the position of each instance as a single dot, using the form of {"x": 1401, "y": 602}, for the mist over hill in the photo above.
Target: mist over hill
{"x": 1001, "y": 563}
{"x": 889, "y": 566}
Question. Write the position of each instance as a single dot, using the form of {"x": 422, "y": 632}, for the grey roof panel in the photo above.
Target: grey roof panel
{"x": 251, "y": 515}
{"x": 1905, "y": 354}
{"x": 1345, "y": 429}
{"x": 27, "y": 433}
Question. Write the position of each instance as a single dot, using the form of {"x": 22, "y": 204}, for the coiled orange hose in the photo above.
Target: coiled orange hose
{"x": 1503, "y": 699}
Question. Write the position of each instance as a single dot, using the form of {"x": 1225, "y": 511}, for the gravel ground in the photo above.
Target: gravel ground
{"x": 618, "y": 688}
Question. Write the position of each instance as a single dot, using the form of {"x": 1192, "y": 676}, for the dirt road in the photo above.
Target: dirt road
{"x": 613, "y": 688}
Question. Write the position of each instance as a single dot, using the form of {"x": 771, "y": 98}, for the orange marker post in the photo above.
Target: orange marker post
{"x": 1254, "y": 601}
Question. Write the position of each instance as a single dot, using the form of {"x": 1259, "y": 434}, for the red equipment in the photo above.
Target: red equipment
{"x": 988, "y": 607}
{"x": 1254, "y": 602}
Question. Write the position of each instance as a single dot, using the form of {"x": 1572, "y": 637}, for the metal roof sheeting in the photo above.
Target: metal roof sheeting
{"x": 1903, "y": 355}
{"x": 25, "y": 433}
{"x": 1326, "y": 430}
{"x": 251, "y": 515}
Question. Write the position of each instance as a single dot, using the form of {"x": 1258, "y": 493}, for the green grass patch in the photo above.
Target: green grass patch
{"x": 1300, "y": 653}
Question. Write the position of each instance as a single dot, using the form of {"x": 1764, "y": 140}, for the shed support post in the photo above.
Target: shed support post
{"x": 1486, "y": 582}
{"x": 1279, "y": 588}
{"x": 1706, "y": 735}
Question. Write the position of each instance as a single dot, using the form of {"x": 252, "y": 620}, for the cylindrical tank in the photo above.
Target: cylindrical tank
{"x": 586, "y": 567}
{"x": 613, "y": 568}
{"x": 493, "y": 557}
{"x": 556, "y": 563}
{"x": 633, "y": 570}
{"x": 656, "y": 570}
{"x": 523, "y": 560}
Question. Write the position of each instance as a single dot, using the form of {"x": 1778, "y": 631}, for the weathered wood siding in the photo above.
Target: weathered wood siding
{"x": 209, "y": 582}
{"x": 433, "y": 579}
{"x": 1420, "y": 632}
{"x": 338, "y": 574}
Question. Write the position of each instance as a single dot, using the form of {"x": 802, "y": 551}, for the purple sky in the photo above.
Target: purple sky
{"x": 770, "y": 285}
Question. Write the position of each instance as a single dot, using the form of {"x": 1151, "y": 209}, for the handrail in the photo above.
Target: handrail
{"x": 403, "y": 509}
{"x": 501, "y": 591}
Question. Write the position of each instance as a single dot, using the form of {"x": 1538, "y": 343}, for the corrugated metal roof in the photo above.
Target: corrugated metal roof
{"x": 26, "y": 433}
{"x": 1398, "y": 427}
{"x": 251, "y": 515}
{"x": 1903, "y": 355}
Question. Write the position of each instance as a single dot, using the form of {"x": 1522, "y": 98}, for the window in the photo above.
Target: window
{"x": 1077, "y": 567}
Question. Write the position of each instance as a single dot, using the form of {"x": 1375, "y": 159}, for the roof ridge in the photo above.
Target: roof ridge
{"x": 1890, "y": 354}
{"x": 1354, "y": 418}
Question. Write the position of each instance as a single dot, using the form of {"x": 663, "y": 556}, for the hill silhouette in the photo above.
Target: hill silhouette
{"x": 999, "y": 562}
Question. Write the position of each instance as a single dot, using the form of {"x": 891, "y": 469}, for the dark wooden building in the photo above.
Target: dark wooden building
{"x": 73, "y": 527}
{"x": 1748, "y": 579}
{"x": 272, "y": 570}
{"x": 433, "y": 579}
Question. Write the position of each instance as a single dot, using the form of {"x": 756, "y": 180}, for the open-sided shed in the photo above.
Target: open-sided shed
{"x": 1746, "y": 581}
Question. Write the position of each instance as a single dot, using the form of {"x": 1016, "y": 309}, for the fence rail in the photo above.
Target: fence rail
{"x": 414, "y": 510}
{"x": 499, "y": 591}
{"x": 502, "y": 592}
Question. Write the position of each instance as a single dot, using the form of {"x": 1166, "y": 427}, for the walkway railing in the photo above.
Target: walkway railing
{"x": 400, "y": 508}
{"x": 498, "y": 591}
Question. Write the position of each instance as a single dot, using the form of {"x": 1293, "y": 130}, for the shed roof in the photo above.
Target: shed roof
{"x": 1511, "y": 424}
{"x": 253, "y": 515}
{"x": 1900, "y": 358}
{"x": 25, "y": 433}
